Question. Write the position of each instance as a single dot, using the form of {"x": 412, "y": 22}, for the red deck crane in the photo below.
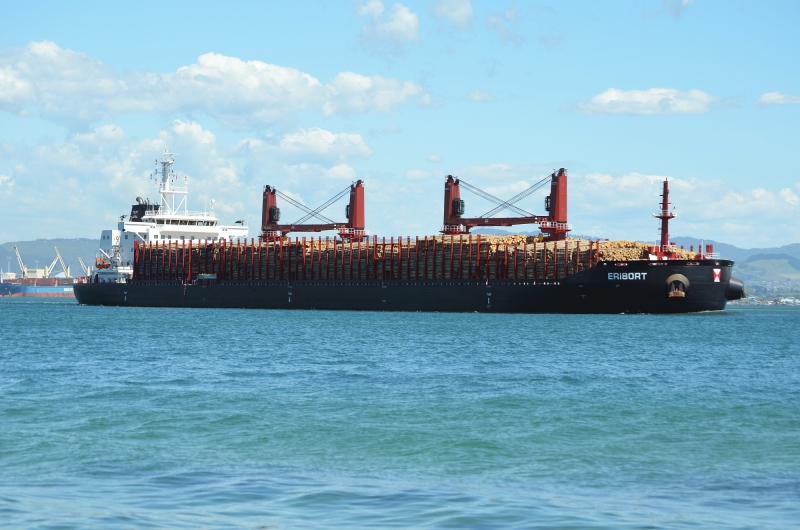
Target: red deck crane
{"x": 352, "y": 229}
{"x": 554, "y": 224}
{"x": 665, "y": 249}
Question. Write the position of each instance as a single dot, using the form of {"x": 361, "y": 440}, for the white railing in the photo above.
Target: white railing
{"x": 350, "y": 232}
{"x": 453, "y": 229}
{"x": 674, "y": 249}
{"x": 555, "y": 225}
{"x": 193, "y": 241}
{"x": 186, "y": 213}
{"x": 663, "y": 248}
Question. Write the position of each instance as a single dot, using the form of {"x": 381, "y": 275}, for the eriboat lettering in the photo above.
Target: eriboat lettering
{"x": 627, "y": 275}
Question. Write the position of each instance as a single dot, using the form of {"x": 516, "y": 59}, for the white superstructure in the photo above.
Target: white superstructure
{"x": 169, "y": 221}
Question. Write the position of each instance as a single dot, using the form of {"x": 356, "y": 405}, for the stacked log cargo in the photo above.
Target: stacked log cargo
{"x": 632, "y": 250}
{"x": 457, "y": 257}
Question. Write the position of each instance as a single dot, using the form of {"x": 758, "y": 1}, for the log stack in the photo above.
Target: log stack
{"x": 444, "y": 258}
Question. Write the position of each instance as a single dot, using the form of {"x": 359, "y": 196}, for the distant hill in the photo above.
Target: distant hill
{"x": 43, "y": 251}
{"x": 736, "y": 253}
{"x": 790, "y": 260}
{"x": 769, "y": 268}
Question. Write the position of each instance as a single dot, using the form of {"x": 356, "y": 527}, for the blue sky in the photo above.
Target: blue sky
{"x": 308, "y": 96}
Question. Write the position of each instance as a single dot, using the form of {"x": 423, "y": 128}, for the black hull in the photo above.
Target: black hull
{"x": 609, "y": 287}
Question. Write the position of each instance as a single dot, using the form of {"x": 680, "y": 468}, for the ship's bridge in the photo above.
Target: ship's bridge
{"x": 168, "y": 221}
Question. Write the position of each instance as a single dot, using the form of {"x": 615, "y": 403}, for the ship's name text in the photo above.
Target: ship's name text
{"x": 627, "y": 275}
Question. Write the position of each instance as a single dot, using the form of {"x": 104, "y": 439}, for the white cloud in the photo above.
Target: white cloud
{"x": 373, "y": 8}
{"x": 435, "y": 159}
{"x": 15, "y": 91}
{"x": 320, "y": 141}
{"x": 708, "y": 209}
{"x": 503, "y": 173}
{"x": 459, "y": 12}
{"x": 313, "y": 172}
{"x": 477, "y": 95}
{"x": 354, "y": 93}
{"x": 504, "y": 25}
{"x": 649, "y": 102}
{"x": 776, "y": 98}
{"x": 789, "y": 196}
{"x": 677, "y": 7}
{"x": 92, "y": 178}
{"x": 312, "y": 144}
{"x": 103, "y": 134}
{"x": 400, "y": 25}
{"x": 71, "y": 88}
{"x": 194, "y": 132}
{"x": 421, "y": 174}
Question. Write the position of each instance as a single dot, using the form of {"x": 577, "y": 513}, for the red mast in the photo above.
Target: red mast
{"x": 665, "y": 215}
{"x": 556, "y": 225}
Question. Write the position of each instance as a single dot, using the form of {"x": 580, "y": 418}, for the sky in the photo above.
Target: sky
{"x": 310, "y": 96}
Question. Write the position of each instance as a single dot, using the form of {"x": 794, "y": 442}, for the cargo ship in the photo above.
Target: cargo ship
{"x": 454, "y": 271}
{"x": 38, "y": 287}
{"x": 38, "y": 283}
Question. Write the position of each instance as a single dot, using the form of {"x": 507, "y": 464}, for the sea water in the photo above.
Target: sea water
{"x": 167, "y": 418}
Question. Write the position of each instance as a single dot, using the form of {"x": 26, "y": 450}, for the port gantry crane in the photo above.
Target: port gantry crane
{"x": 554, "y": 224}
{"x": 86, "y": 269}
{"x": 63, "y": 265}
{"x": 48, "y": 270}
{"x": 23, "y": 269}
{"x": 352, "y": 229}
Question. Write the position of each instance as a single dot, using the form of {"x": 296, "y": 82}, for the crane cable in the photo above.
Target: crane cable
{"x": 315, "y": 212}
{"x": 301, "y": 206}
{"x": 509, "y": 204}
{"x": 519, "y": 196}
{"x": 491, "y": 198}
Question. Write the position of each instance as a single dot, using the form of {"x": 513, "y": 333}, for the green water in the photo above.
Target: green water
{"x": 164, "y": 418}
